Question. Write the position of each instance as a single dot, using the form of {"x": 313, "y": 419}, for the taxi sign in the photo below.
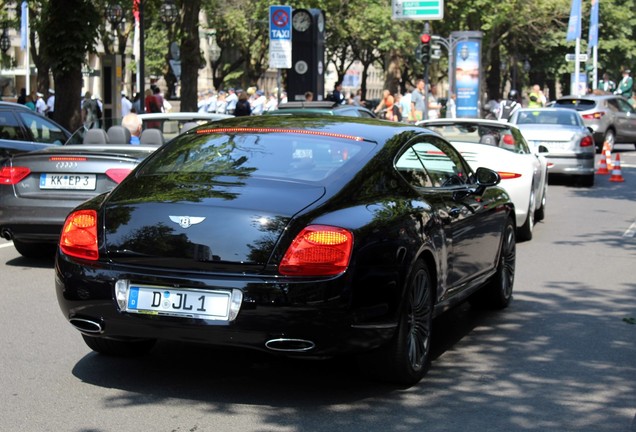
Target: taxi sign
{"x": 280, "y": 37}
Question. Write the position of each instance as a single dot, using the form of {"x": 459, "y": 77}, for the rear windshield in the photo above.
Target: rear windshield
{"x": 577, "y": 104}
{"x": 283, "y": 155}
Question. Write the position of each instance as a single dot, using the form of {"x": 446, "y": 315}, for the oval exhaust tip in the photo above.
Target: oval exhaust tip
{"x": 290, "y": 345}
{"x": 85, "y": 325}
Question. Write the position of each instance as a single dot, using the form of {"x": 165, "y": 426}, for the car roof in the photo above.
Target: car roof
{"x": 14, "y": 105}
{"x": 318, "y": 107}
{"x": 184, "y": 116}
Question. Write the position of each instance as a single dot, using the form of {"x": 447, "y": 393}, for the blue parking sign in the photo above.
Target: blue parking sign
{"x": 280, "y": 36}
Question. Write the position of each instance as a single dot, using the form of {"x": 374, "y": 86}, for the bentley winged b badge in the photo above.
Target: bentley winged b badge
{"x": 187, "y": 221}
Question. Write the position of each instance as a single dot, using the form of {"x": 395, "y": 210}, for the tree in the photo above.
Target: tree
{"x": 75, "y": 35}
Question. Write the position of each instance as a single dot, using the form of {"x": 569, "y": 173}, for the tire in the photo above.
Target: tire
{"x": 119, "y": 348}
{"x": 406, "y": 359}
{"x": 539, "y": 213}
{"x": 34, "y": 250}
{"x": 497, "y": 292}
{"x": 524, "y": 232}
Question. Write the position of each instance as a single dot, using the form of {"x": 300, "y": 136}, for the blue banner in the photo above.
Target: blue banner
{"x": 593, "y": 39}
{"x": 467, "y": 79}
{"x": 574, "y": 25}
{"x": 24, "y": 25}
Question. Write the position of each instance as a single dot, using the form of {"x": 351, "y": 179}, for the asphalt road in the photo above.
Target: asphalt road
{"x": 561, "y": 358}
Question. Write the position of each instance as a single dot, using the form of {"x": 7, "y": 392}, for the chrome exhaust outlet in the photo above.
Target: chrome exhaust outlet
{"x": 86, "y": 326}
{"x": 6, "y": 234}
{"x": 290, "y": 345}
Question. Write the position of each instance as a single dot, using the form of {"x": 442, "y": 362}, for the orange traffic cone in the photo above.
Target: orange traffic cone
{"x": 616, "y": 170}
{"x": 608, "y": 156}
{"x": 602, "y": 166}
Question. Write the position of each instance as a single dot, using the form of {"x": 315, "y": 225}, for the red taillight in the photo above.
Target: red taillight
{"x": 508, "y": 139}
{"x": 79, "y": 235}
{"x": 117, "y": 174}
{"x": 508, "y": 175}
{"x": 587, "y": 141}
{"x": 13, "y": 175}
{"x": 593, "y": 116}
{"x": 318, "y": 250}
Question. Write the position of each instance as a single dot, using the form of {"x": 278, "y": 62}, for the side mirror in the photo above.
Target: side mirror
{"x": 486, "y": 177}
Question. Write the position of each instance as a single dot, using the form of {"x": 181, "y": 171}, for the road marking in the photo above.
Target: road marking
{"x": 6, "y": 245}
{"x": 631, "y": 231}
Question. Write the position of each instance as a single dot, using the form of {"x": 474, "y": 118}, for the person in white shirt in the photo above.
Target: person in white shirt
{"x": 50, "y": 104}
{"x": 259, "y": 103}
{"x": 231, "y": 100}
{"x": 272, "y": 103}
{"x": 126, "y": 104}
{"x": 40, "y": 105}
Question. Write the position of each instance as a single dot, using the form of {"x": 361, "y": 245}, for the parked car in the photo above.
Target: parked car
{"x": 39, "y": 188}
{"x": 322, "y": 108}
{"x": 306, "y": 236}
{"x": 569, "y": 141}
{"x": 501, "y": 147}
{"x": 611, "y": 118}
{"x": 24, "y": 130}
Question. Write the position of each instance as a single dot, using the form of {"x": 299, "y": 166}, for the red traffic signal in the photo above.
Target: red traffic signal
{"x": 425, "y": 38}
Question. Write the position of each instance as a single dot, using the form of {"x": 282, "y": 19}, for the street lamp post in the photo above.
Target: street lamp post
{"x": 450, "y": 44}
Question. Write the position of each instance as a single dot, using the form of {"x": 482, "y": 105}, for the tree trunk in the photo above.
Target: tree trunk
{"x": 67, "y": 102}
{"x": 190, "y": 55}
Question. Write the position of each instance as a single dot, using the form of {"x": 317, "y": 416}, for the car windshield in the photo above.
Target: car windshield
{"x": 560, "y": 117}
{"x": 499, "y": 136}
{"x": 577, "y": 104}
{"x": 281, "y": 154}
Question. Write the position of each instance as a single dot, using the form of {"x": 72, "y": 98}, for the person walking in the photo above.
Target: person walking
{"x": 625, "y": 86}
{"x": 50, "y": 104}
{"x": 337, "y": 95}
{"x": 418, "y": 101}
{"x": 231, "y": 100}
{"x": 126, "y": 104}
{"x": 90, "y": 117}
{"x": 40, "y": 105}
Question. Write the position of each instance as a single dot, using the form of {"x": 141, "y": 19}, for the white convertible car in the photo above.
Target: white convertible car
{"x": 501, "y": 147}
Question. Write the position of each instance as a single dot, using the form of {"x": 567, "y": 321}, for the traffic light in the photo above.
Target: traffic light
{"x": 425, "y": 48}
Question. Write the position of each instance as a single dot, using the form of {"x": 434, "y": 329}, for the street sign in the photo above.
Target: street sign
{"x": 418, "y": 10}
{"x": 280, "y": 37}
{"x": 572, "y": 57}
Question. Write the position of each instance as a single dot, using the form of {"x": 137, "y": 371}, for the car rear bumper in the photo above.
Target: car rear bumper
{"x": 273, "y": 316}
{"x": 33, "y": 220}
{"x": 575, "y": 164}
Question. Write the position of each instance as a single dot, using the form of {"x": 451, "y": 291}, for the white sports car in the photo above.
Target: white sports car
{"x": 501, "y": 147}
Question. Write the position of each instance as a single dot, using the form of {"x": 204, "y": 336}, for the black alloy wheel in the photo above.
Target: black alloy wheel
{"x": 407, "y": 357}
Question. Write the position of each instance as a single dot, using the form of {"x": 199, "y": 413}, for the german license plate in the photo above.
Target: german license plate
{"x": 68, "y": 181}
{"x": 187, "y": 303}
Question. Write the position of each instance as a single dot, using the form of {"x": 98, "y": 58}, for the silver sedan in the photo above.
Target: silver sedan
{"x": 569, "y": 142}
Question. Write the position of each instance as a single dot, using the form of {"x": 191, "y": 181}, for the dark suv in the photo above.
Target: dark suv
{"x": 321, "y": 108}
{"x": 610, "y": 117}
{"x": 23, "y": 130}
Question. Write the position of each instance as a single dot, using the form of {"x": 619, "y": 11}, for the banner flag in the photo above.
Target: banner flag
{"x": 574, "y": 25}
{"x": 24, "y": 26}
{"x": 593, "y": 39}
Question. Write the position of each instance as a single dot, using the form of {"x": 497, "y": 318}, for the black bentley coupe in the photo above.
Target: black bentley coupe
{"x": 302, "y": 236}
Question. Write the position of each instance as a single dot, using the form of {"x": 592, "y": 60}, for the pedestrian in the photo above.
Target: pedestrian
{"x": 242, "y": 105}
{"x": 90, "y": 116}
{"x": 30, "y": 101}
{"x": 50, "y": 104}
{"x": 625, "y": 85}
{"x": 132, "y": 122}
{"x": 136, "y": 103}
{"x": 382, "y": 105}
{"x": 451, "y": 106}
{"x": 126, "y": 104}
{"x": 221, "y": 102}
{"x": 404, "y": 103}
{"x": 357, "y": 98}
{"x": 606, "y": 84}
{"x": 432, "y": 104}
{"x": 536, "y": 97}
{"x": 508, "y": 107}
{"x": 283, "y": 97}
{"x": 337, "y": 95}
{"x": 22, "y": 98}
{"x": 272, "y": 103}
{"x": 391, "y": 110}
{"x": 309, "y": 96}
{"x": 418, "y": 101}
{"x": 40, "y": 105}
{"x": 151, "y": 105}
{"x": 259, "y": 102}
{"x": 231, "y": 101}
